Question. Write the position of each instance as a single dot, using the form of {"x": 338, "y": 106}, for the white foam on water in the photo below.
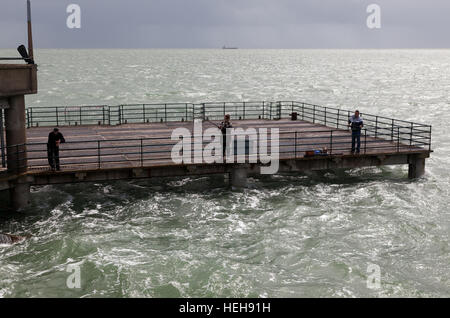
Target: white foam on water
{"x": 195, "y": 238}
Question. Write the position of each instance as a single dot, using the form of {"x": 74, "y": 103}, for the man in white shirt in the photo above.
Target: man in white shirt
{"x": 356, "y": 123}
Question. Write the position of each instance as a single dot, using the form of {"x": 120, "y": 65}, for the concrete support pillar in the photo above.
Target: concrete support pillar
{"x": 19, "y": 194}
{"x": 16, "y": 134}
{"x": 416, "y": 167}
{"x": 16, "y": 152}
{"x": 16, "y": 81}
{"x": 238, "y": 177}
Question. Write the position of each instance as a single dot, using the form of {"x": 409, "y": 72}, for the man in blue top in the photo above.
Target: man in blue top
{"x": 356, "y": 123}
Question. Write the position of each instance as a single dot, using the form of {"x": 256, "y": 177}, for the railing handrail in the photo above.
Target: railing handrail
{"x": 288, "y": 145}
{"x": 363, "y": 114}
{"x": 326, "y": 110}
{"x": 168, "y": 138}
{"x": 399, "y": 133}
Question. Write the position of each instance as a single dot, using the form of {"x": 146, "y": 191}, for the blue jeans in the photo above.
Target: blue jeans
{"x": 356, "y": 140}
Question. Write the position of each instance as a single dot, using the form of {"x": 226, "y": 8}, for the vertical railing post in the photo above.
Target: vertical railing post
{"x": 2, "y": 140}
{"x": 28, "y": 116}
{"x": 338, "y": 118}
{"x": 182, "y": 149}
{"x": 295, "y": 144}
{"x": 429, "y": 139}
{"x": 186, "y": 112}
{"x": 165, "y": 113}
{"x": 331, "y": 142}
{"x": 204, "y": 111}
{"x": 57, "y": 117}
{"x": 376, "y": 126}
{"x": 365, "y": 140}
{"x": 143, "y": 113}
{"x": 142, "y": 152}
{"x": 243, "y": 110}
{"x": 411, "y": 135}
{"x": 31, "y": 117}
{"x": 398, "y": 139}
{"x": 80, "y": 117}
{"x": 263, "y": 114}
{"x": 325, "y": 116}
{"x": 314, "y": 114}
{"x": 392, "y": 131}
{"x": 303, "y": 111}
{"x": 98, "y": 153}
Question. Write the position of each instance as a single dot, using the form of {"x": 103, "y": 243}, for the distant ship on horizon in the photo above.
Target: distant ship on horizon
{"x": 229, "y": 48}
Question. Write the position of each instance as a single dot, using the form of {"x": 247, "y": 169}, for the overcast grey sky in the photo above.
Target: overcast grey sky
{"x": 242, "y": 23}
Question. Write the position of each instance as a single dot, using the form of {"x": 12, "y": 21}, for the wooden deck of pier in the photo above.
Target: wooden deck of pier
{"x": 116, "y": 159}
{"x": 117, "y": 136}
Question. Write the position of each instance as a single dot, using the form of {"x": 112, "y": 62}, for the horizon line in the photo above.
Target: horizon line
{"x": 220, "y": 48}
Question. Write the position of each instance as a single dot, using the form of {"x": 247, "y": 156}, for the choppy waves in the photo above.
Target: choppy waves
{"x": 284, "y": 236}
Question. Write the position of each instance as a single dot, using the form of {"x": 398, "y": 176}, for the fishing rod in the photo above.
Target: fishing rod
{"x": 218, "y": 126}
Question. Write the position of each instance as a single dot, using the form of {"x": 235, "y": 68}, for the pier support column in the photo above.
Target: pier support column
{"x": 16, "y": 81}
{"x": 16, "y": 134}
{"x": 416, "y": 167}
{"x": 16, "y": 155}
{"x": 19, "y": 194}
{"x": 238, "y": 177}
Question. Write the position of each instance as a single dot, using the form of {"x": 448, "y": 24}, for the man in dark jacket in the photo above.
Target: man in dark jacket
{"x": 226, "y": 124}
{"x": 55, "y": 138}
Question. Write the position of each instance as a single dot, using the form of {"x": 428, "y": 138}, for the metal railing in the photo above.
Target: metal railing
{"x": 147, "y": 152}
{"x": 394, "y": 130}
{"x": 414, "y": 134}
{"x": 380, "y": 134}
{"x": 147, "y": 113}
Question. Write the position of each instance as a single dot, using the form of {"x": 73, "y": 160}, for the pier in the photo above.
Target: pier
{"x": 106, "y": 143}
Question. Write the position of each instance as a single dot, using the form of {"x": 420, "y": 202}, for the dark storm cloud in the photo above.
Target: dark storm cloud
{"x": 244, "y": 23}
